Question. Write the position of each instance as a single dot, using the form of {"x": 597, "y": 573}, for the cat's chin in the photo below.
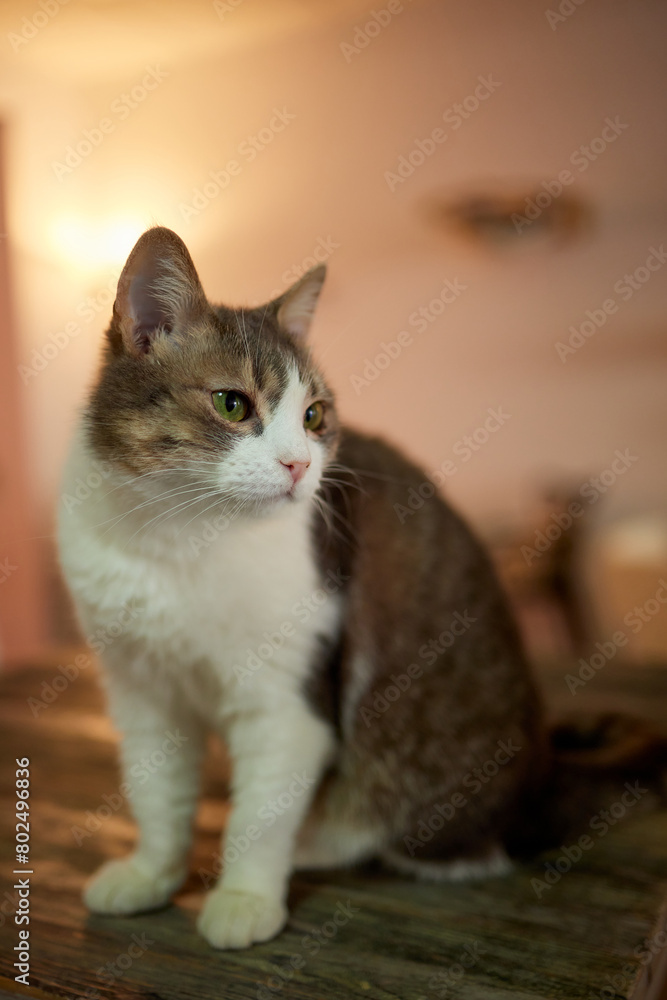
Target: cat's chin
{"x": 289, "y": 500}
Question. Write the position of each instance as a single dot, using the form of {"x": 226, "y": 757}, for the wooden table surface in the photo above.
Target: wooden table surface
{"x": 393, "y": 939}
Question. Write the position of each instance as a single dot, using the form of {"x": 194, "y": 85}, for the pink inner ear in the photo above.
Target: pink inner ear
{"x": 158, "y": 289}
{"x": 145, "y": 311}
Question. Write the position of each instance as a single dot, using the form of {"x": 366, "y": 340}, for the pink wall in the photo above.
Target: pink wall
{"x": 22, "y": 621}
{"x": 159, "y": 97}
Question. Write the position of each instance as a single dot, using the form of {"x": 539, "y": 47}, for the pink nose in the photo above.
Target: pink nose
{"x": 297, "y": 470}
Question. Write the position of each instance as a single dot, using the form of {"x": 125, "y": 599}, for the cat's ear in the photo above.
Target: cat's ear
{"x": 158, "y": 291}
{"x": 296, "y": 307}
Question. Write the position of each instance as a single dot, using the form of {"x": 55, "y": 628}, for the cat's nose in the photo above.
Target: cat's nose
{"x": 297, "y": 470}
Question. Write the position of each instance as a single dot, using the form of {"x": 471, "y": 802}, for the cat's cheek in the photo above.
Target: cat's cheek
{"x": 313, "y": 476}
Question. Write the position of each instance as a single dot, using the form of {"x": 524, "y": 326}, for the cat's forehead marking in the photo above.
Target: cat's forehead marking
{"x": 272, "y": 379}
{"x": 264, "y": 354}
{"x": 292, "y": 399}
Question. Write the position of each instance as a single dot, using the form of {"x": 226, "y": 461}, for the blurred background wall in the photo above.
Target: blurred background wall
{"x": 486, "y": 182}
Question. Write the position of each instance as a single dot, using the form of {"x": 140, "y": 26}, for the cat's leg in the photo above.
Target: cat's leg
{"x": 278, "y": 758}
{"x": 334, "y": 843}
{"x": 339, "y": 830}
{"x": 161, "y": 752}
{"x": 332, "y": 837}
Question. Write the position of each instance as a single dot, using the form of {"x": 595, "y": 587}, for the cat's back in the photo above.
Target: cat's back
{"x": 416, "y": 570}
{"x": 392, "y": 508}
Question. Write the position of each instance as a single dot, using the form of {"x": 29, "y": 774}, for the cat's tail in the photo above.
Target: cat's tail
{"x": 598, "y": 771}
{"x": 603, "y": 768}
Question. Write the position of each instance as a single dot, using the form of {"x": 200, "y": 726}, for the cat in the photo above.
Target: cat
{"x": 360, "y": 665}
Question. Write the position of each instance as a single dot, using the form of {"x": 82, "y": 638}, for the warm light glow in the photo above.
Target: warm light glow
{"x": 93, "y": 246}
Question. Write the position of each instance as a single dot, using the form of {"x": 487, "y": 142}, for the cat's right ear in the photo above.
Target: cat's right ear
{"x": 295, "y": 308}
{"x": 159, "y": 292}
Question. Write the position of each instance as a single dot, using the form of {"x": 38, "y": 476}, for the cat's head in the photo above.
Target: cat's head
{"x": 220, "y": 399}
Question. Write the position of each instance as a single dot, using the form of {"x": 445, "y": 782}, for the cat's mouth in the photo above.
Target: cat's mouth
{"x": 290, "y": 494}
{"x": 264, "y": 504}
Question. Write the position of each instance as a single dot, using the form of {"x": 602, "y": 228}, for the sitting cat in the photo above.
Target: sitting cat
{"x": 362, "y": 668}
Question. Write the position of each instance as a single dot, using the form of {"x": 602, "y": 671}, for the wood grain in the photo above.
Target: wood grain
{"x": 400, "y": 940}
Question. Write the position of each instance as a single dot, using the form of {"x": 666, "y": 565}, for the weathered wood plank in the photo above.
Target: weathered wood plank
{"x": 394, "y": 939}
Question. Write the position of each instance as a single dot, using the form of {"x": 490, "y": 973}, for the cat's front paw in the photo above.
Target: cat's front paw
{"x": 233, "y": 919}
{"x": 121, "y": 887}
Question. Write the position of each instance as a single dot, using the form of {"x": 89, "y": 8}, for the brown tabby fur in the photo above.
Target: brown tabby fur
{"x": 405, "y": 584}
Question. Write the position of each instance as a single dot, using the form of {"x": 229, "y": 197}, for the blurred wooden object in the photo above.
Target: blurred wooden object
{"x": 541, "y": 571}
{"x": 628, "y": 566}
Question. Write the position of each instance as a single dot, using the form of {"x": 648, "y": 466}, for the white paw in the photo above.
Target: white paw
{"x": 238, "y": 919}
{"x": 121, "y": 887}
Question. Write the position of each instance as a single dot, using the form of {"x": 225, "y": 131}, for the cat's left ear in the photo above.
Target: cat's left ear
{"x": 159, "y": 292}
{"x": 296, "y": 307}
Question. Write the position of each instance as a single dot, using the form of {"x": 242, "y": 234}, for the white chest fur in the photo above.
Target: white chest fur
{"x": 229, "y": 613}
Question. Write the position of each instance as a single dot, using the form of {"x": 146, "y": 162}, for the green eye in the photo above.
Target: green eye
{"x": 314, "y": 416}
{"x": 231, "y": 405}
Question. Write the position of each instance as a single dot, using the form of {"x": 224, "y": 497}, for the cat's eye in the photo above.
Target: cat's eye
{"x": 314, "y": 416}
{"x": 231, "y": 405}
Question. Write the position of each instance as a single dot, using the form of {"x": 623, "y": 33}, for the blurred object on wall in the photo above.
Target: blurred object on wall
{"x": 499, "y": 219}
